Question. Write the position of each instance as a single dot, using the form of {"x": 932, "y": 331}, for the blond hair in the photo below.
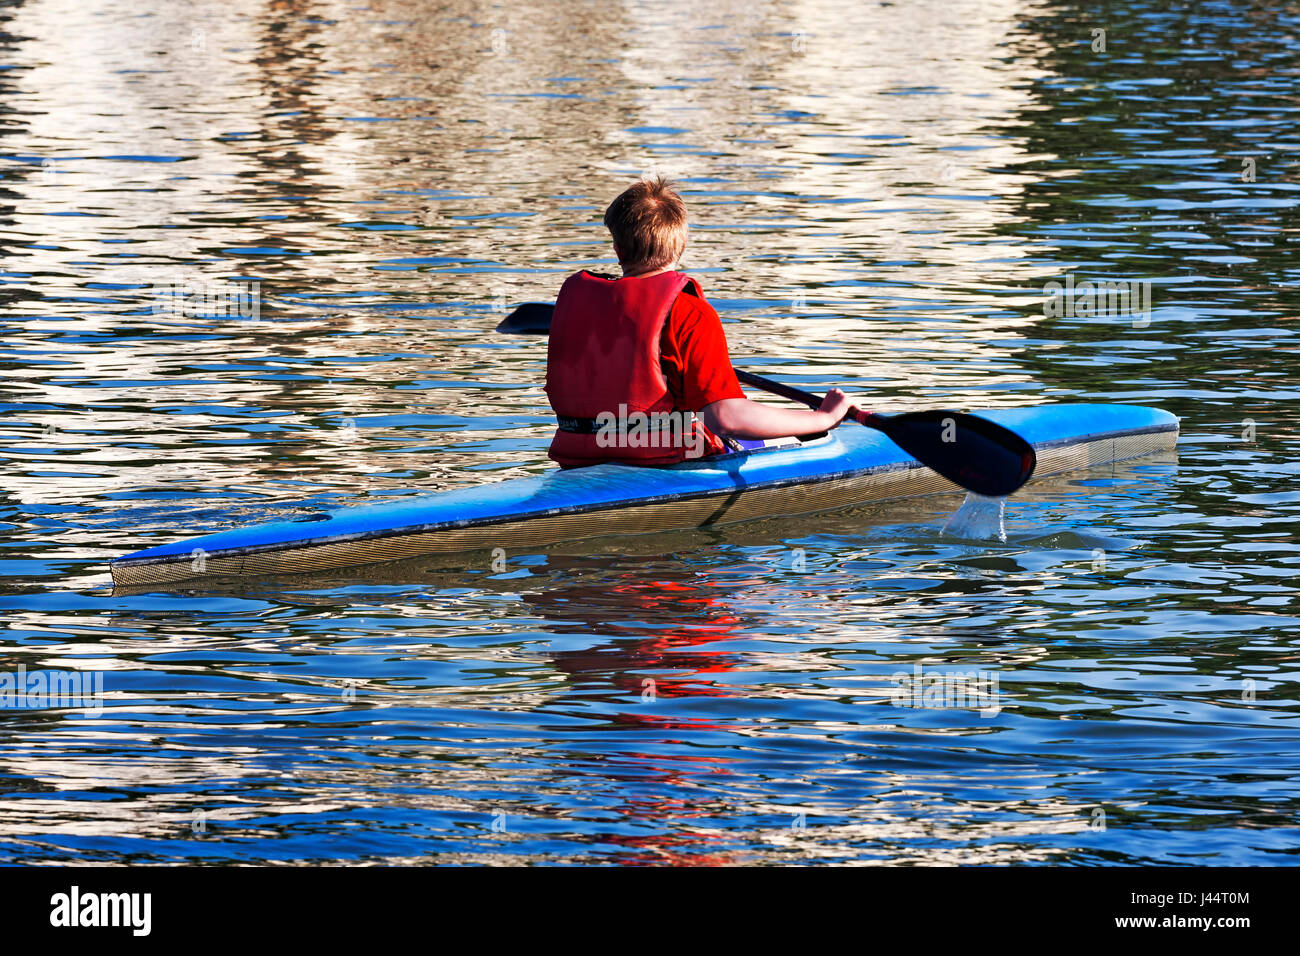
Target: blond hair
{"x": 648, "y": 224}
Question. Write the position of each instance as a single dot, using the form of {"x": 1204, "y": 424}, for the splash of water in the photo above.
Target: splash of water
{"x": 978, "y": 518}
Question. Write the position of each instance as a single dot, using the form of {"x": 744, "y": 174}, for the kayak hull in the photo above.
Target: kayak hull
{"x": 851, "y": 466}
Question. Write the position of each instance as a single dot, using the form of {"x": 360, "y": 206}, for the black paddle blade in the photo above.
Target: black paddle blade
{"x": 531, "y": 318}
{"x": 973, "y": 452}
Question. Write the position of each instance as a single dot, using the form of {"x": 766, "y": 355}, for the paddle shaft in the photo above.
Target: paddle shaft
{"x": 870, "y": 419}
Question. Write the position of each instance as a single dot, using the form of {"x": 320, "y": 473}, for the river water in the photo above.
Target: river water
{"x": 880, "y": 194}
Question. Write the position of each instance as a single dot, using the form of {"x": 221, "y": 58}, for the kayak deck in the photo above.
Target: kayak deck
{"x": 850, "y": 466}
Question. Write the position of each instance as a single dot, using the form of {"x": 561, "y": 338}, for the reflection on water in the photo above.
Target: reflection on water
{"x": 880, "y": 214}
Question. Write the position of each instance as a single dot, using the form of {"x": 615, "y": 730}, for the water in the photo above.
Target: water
{"x": 979, "y": 518}
{"x": 880, "y": 214}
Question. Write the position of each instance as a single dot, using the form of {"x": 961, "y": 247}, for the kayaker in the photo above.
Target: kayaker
{"x": 637, "y": 367}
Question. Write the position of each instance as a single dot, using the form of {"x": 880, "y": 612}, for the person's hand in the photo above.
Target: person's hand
{"x": 835, "y": 406}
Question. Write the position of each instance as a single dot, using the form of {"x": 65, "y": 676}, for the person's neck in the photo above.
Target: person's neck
{"x": 634, "y": 273}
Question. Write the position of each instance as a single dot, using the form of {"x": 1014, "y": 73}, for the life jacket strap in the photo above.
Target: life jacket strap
{"x": 577, "y": 426}
{"x": 589, "y": 426}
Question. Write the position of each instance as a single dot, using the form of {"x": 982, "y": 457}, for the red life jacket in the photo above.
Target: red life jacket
{"x": 602, "y": 364}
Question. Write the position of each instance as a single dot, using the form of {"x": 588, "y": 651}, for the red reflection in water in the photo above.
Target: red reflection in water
{"x": 653, "y": 626}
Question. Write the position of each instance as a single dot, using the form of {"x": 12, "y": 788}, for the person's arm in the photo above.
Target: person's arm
{"x": 695, "y": 349}
{"x": 742, "y": 418}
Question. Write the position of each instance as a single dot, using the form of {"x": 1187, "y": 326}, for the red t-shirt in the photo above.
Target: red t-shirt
{"x": 694, "y": 357}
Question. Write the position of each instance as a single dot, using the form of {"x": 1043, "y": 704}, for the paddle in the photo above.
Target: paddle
{"x": 969, "y": 451}
{"x": 973, "y": 452}
{"x": 531, "y": 318}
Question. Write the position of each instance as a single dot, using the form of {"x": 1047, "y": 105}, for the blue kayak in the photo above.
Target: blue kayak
{"x": 849, "y": 466}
